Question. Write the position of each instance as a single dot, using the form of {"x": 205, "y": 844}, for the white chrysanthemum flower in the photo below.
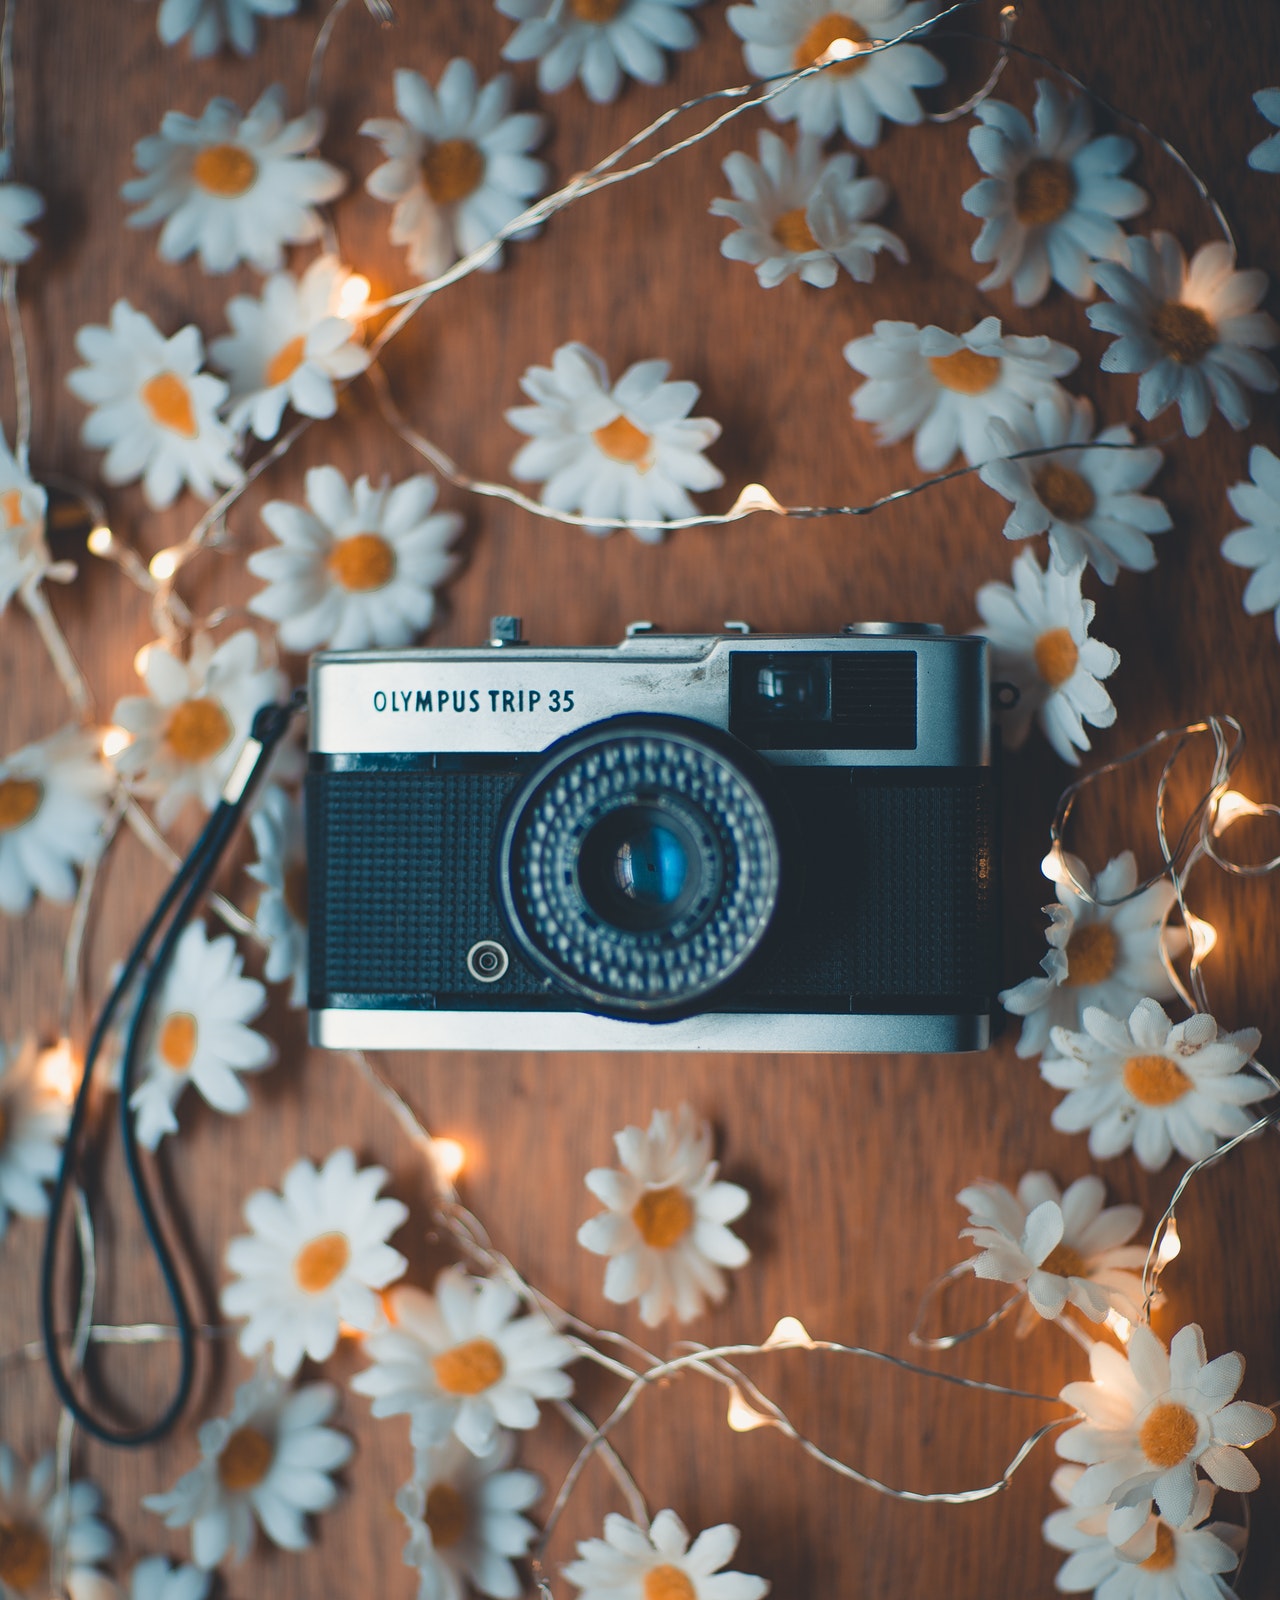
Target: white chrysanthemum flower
{"x": 1265, "y": 157}
{"x": 1257, "y": 544}
{"x": 316, "y": 1256}
{"x": 1088, "y": 501}
{"x": 1153, "y": 1085}
{"x": 190, "y": 726}
{"x": 666, "y": 1229}
{"x": 460, "y": 1361}
{"x": 781, "y": 36}
{"x": 948, "y": 388}
{"x": 18, "y": 206}
{"x": 280, "y": 836}
{"x": 268, "y": 1462}
{"x": 660, "y": 1564}
{"x": 1185, "y": 1563}
{"x": 1061, "y": 1248}
{"x": 463, "y": 1515}
{"x": 1052, "y": 197}
{"x": 51, "y": 811}
{"x": 235, "y": 188}
{"x": 458, "y": 166}
{"x": 597, "y": 41}
{"x": 359, "y": 568}
{"x": 211, "y": 23}
{"x": 1193, "y": 332}
{"x": 33, "y": 1122}
{"x": 154, "y": 411}
{"x": 289, "y": 348}
{"x": 804, "y": 215}
{"x": 629, "y": 451}
{"x": 24, "y": 555}
{"x": 1099, "y": 955}
{"x": 199, "y": 1034}
{"x": 1039, "y": 633}
{"x": 155, "y": 1579}
{"x": 1151, "y": 1418}
{"x": 35, "y": 1518}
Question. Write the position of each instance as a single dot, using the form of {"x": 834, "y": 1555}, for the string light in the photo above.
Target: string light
{"x": 755, "y": 497}
{"x": 789, "y": 1333}
{"x": 114, "y": 741}
{"x": 59, "y": 1072}
{"x": 141, "y": 658}
{"x": 1231, "y": 807}
{"x": 163, "y": 565}
{"x": 845, "y": 49}
{"x": 742, "y": 1417}
{"x": 100, "y": 540}
{"x": 1119, "y": 1325}
{"x": 1203, "y": 937}
{"x": 353, "y": 296}
{"x": 1170, "y": 1244}
{"x": 449, "y": 1158}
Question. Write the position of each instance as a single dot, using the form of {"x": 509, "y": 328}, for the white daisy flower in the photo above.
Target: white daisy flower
{"x": 1039, "y": 633}
{"x": 1151, "y": 1418}
{"x": 235, "y": 188}
{"x": 316, "y": 1256}
{"x": 24, "y": 555}
{"x": 268, "y": 1462}
{"x": 463, "y": 1514}
{"x": 34, "y": 1518}
{"x": 1265, "y": 157}
{"x": 280, "y": 836}
{"x": 51, "y": 811}
{"x": 289, "y": 348}
{"x": 660, "y": 1564}
{"x": 805, "y": 216}
{"x": 198, "y": 1034}
{"x": 456, "y": 1362}
{"x": 666, "y": 1224}
{"x": 1187, "y": 1562}
{"x": 1105, "y": 956}
{"x": 33, "y": 1122}
{"x": 631, "y": 451}
{"x": 1193, "y": 332}
{"x": 153, "y": 411}
{"x": 1086, "y": 500}
{"x": 597, "y": 41}
{"x": 190, "y": 726}
{"x": 1257, "y": 544}
{"x": 1153, "y": 1085}
{"x": 211, "y": 23}
{"x": 18, "y": 206}
{"x": 947, "y": 388}
{"x": 782, "y": 36}
{"x": 458, "y": 166}
{"x": 359, "y": 568}
{"x": 155, "y": 1579}
{"x": 1052, "y": 196}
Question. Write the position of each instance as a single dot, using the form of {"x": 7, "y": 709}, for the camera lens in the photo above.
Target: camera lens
{"x": 640, "y": 864}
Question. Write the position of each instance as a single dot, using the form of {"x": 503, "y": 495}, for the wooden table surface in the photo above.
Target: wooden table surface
{"x": 852, "y": 1164}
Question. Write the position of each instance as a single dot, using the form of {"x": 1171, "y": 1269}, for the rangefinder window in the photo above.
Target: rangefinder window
{"x": 807, "y": 701}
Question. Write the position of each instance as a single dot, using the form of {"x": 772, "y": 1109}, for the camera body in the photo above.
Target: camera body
{"x": 730, "y": 842}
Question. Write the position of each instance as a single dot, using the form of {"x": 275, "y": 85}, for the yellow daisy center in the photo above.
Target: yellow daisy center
{"x": 663, "y": 1217}
{"x": 11, "y": 508}
{"x": 966, "y": 371}
{"x": 197, "y": 729}
{"x": 168, "y": 400}
{"x": 621, "y": 440}
{"x": 668, "y": 1583}
{"x": 1056, "y": 656}
{"x": 446, "y": 1515}
{"x": 19, "y": 801}
{"x": 1091, "y": 955}
{"x": 245, "y": 1460}
{"x": 595, "y": 10}
{"x": 1165, "y": 1553}
{"x": 792, "y": 232}
{"x": 295, "y": 891}
{"x": 1043, "y": 191}
{"x": 815, "y": 44}
{"x": 225, "y": 170}
{"x": 1155, "y": 1080}
{"x": 1063, "y": 493}
{"x": 286, "y": 361}
{"x": 1183, "y": 332}
{"x": 363, "y": 562}
{"x": 451, "y": 170}
{"x": 469, "y": 1368}
{"x": 24, "y": 1556}
{"x": 320, "y": 1261}
{"x": 1168, "y": 1435}
{"x": 1063, "y": 1261}
{"x": 177, "y": 1041}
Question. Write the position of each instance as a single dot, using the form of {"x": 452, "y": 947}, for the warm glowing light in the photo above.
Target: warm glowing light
{"x": 1230, "y": 808}
{"x": 100, "y": 540}
{"x": 742, "y": 1418}
{"x": 449, "y": 1157}
{"x": 1170, "y": 1244}
{"x": 59, "y": 1072}
{"x": 114, "y": 740}
{"x": 1054, "y": 866}
{"x": 353, "y": 296}
{"x": 1203, "y": 937}
{"x": 1120, "y": 1326}
{"x": 754, "y": 497}
{"x": 839, "y": 50}
{"x": 141, "y": 659}
{"x": 789, "y": 1333}
{"x": 163, "y": 565}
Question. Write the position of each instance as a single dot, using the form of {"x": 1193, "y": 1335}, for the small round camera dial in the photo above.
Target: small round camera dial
{"x": 487, "y": 961}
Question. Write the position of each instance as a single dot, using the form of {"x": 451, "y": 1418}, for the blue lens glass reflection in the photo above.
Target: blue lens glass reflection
{"x": 651, "y": 867}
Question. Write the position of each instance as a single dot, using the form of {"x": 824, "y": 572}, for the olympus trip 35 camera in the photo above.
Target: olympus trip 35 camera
{"x": 726, "y": 842}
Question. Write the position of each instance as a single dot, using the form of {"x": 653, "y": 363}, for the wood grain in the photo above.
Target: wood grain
{"x": 853, "y": 1164}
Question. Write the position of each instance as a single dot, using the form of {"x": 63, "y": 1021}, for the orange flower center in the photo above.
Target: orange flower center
{"x": 168, "y": 400}
{"x": 1056, "y": 656}
{"x": 320, "y": 1261}
{"x": 668, "y": 1583}
{"x": 19, "y": 801}
{"x": 966, "y": 371}
{"x": 1183, "y": 332}
{"x": 1091, "y": 955}
{"x": 1165, "y": 1553}
{"x": 1043, "y": 191}
{"x": 469, "y": 1368}
{"x": 595, "y": 10}
{"x": 295, "y": 891}
{"x": 446, "y": 1515}
{"x": 224, "y": 169}
{"x": 177, "y": 1041}
{"x": 451, "y": 170}
{"x": 197, "y": 729}
{"x": 245, "y": 1460}
{"x": 792, "y": 232}
{"x": 286, "y": 361}
{"x": 1063, "y": 493}
{"x": 11, "y": 507}
{"x": 364, "y": 561}
{"x": 1169, "y": 1434}
{"x": 1155, "y": 1080}
{"x": 24, "y": 1556}
{"x": 621, "y": 440}
{"x": 1063, "y": 1261}
{"x": 819, "y": 39}
{"x": 663, "y": 1217}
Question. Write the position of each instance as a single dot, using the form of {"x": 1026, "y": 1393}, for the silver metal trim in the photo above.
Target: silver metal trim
{"x": 483, "y": 946}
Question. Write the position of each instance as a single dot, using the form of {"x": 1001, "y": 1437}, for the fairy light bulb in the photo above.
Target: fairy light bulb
{"x": 163, "y": 565}
{"x": 1119, "y": 1325}
{"x": 789, "y": 1333}
{"x": 1230, "y": 808}
{"x": 841, "y": 50}
{"x": 449, "y": 1158}
{"x": 100, "y": 540}
{"x": 754, "y": 497}
{"x": 114, "y": 741}
{"x": 1054, "y": 866}
{"x": 742, "y": 1417}
{"x": 353, "y": 296}
{"x": 1170, "y": 1244}
{"x": 1203, "y": 937}
{"x": 59, "y": 1072}
{"x": 141, "y": 659}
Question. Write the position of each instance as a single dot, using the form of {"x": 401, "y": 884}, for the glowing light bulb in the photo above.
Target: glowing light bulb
{"x": 840, "y": 50}
{"x": 789, "y": 1333}
{"x": 743, "y": 1418}
{"x": 1230, "y": 808}
{"x": 754, "y": 497}
{"x": 353, "y": 296}
{"x": 1120, "y": 1326}
{"x": 449, "y": 1158}
{"x": 141, "y": 659}
{"x": 114, "y": 741}
{"x": 163, "y": 565}
{"x": 1170, "y": 1244}
{"x": 100, "y": 540}
{"x": 1203, "y": 937}
{"x": 59, "y": 1072}
{"x": 1054, "y": 866}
